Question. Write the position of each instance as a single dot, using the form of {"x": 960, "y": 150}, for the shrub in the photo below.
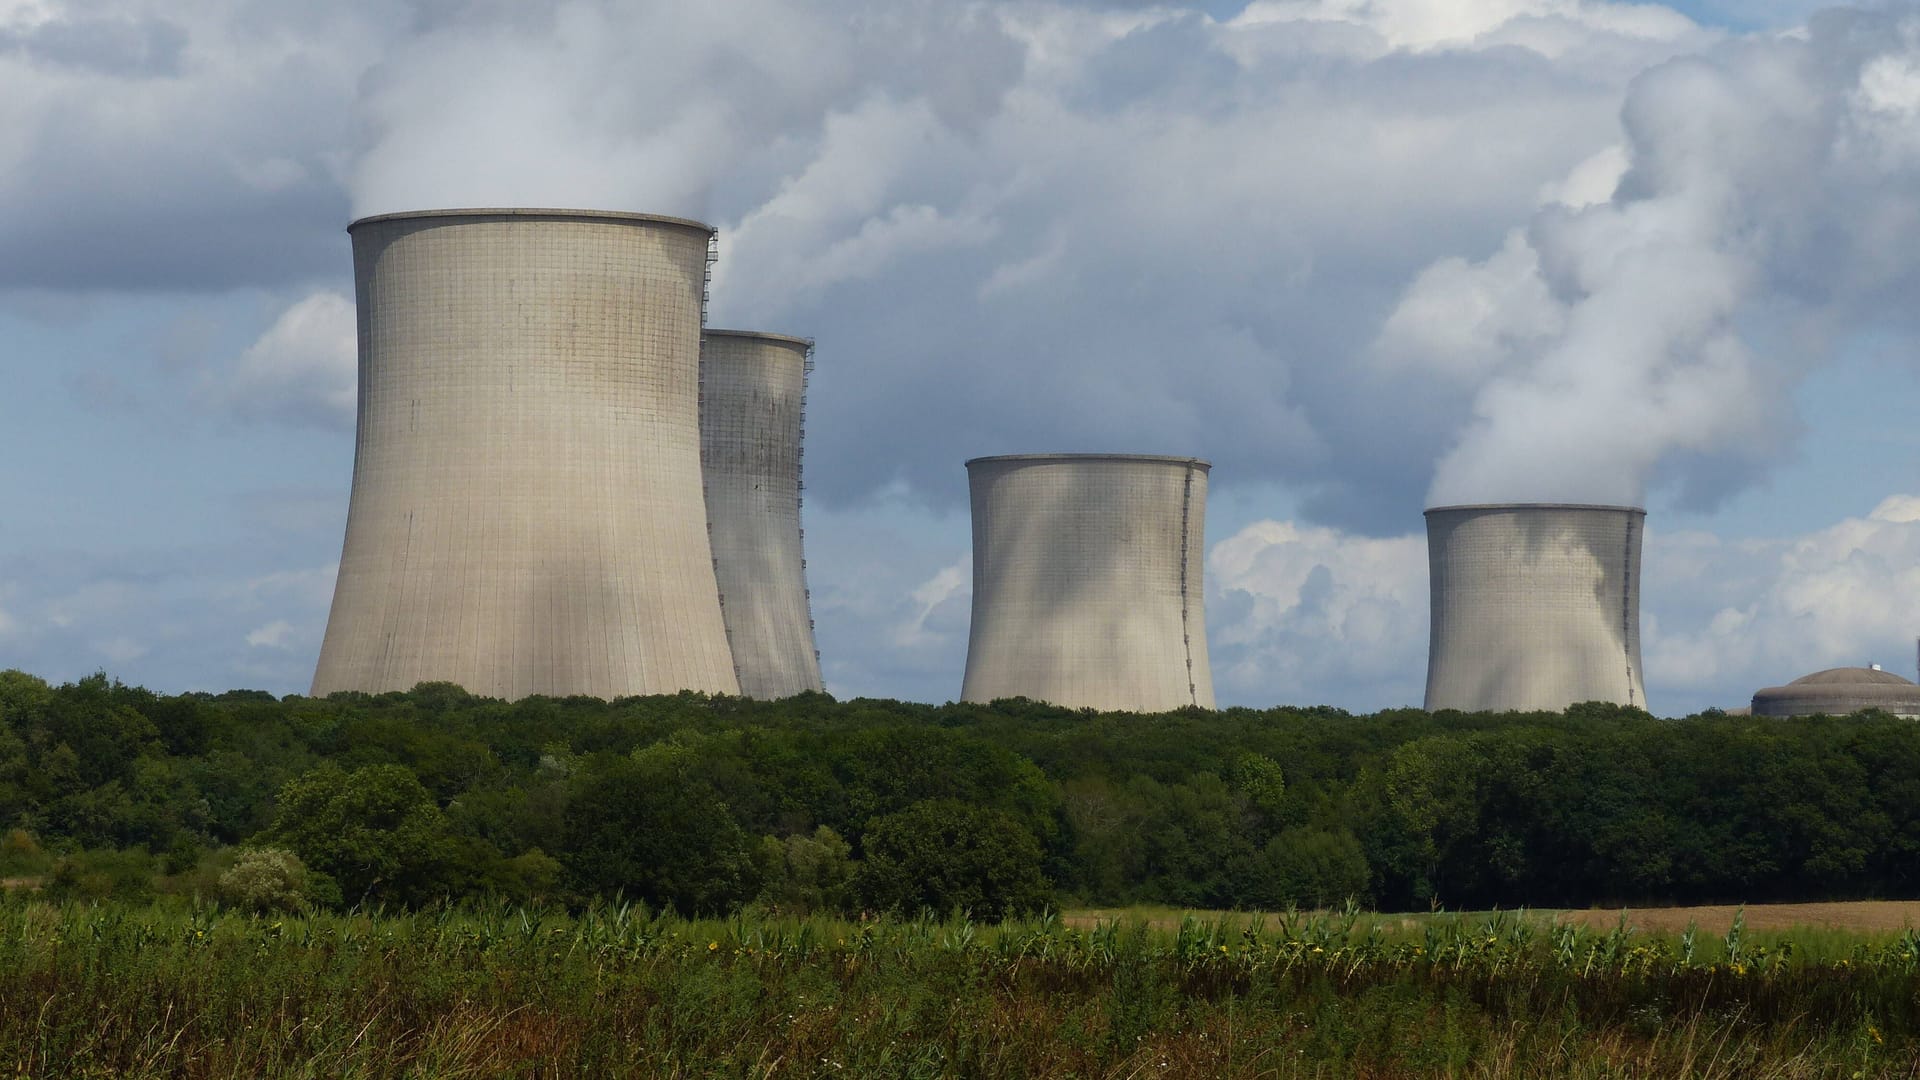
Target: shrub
{"x": 266, "y": 879}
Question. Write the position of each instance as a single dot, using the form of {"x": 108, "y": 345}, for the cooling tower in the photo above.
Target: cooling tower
{"x": 1535, "y": 606}
{"x": 1087, "y": 581}
{"x": 752, "y": 410}
{"x": 527, "y": 514}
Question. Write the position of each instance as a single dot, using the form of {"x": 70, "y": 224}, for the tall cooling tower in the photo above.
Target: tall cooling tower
{"x": 1087, "y": 581}
{"x": 1535, "y": 606}
{"x": 527, "y": 514}
{"x": 752, "y": 409}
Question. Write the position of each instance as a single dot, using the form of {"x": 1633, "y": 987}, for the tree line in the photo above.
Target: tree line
{"x": 705, "y": 804}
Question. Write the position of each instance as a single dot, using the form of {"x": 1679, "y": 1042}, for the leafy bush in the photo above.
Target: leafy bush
{"x": 266, "y": 879}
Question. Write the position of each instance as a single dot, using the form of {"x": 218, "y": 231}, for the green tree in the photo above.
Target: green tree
{"x": 942, "y": 854}
{"x": 647, "y": 827}
{"x": 376, "y": 831}
{"x": 1310, "y": 867}
{"x": 1259, "y": 780}
{"x": 807, "y": 872}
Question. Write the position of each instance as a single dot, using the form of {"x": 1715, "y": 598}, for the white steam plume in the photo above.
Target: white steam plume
{"x": 1771, "y": 206}
{"x": 666, "y": 107}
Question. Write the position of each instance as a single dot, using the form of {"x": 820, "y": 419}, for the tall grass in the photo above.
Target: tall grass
{"x": 619, "y": 991}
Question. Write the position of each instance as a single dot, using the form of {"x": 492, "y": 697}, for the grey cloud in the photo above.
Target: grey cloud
{"x": 222, "y": 174}
{"x": 1171, "y": 276}
{"x": 125, "y": 47}
{"x": 1010, "y": 226}
{"x": 169, "y": 619}
{"x": 1171, "y": 62}
{"x": 101, "y": 391}
{"x": 296, "y": 511}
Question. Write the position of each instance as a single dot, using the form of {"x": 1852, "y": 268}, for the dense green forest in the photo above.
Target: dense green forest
{"x": 705, "y": 804}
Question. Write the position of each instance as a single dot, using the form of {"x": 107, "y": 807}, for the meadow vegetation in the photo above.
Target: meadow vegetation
{"x": 498, "y": 991}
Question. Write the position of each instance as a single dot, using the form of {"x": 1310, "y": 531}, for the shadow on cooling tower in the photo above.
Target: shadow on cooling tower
{"x": 1535, "y": 606}
{"x": 1088, "y": 581}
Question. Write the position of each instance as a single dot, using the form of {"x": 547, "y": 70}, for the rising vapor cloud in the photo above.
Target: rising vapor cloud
{"x": 1768, "y": 210}
{"x": 1054, "y": 226}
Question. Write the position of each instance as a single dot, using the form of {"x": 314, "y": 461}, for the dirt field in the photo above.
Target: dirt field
{"x": 1871, "y": 916}
{"x": 1867, "y": 915}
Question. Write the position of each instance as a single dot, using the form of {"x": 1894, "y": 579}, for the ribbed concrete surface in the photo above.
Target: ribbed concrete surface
{"x": 753, "y": 392}
{"x": 1535, "y": 606}
{"x": 1087, "y": 581}
{"x": 527, "y": 515}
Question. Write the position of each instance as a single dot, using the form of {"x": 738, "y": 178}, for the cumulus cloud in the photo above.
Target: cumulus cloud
{"x": 273, "y": 635}
{"x": 890, "y": 602}
{"x": 1313, "y": 615}
{"x": 1844, "y": 595}
{"x": 303, "y": 369}
{"x": 307, "y": 587}
{"x": 1071, "y": 224}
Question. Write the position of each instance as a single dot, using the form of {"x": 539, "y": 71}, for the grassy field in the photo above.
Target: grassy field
{"x": 150, "y": 992}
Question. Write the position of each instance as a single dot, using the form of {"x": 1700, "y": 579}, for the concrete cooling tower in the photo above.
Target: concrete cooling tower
{"x": 1087, "y": 581}
{"x": 527, "y": 514}
{"x": 752, "y": 408}
{"x": 1535, "y": 606}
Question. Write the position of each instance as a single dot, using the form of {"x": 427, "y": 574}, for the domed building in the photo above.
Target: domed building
{"x": 1839, "y": 692}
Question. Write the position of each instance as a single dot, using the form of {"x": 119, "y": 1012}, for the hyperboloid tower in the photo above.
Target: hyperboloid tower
{"x": 527, "y": 515}
{"x": 752, "y": 411}
{"x": 1535, "y": 606}
{"x": 1087, "y": 581}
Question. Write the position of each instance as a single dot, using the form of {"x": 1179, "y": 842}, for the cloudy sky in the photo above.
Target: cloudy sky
{"x": 1364, "y": 255}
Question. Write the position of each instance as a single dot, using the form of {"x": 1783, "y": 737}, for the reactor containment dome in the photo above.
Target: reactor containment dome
{"x": 1087, "y": 581}
{"x": 752, "y": 412}
{"x": 1536, "y": 606}
{"x": 1840, "y": 692}
{"x": 527, "y": 515}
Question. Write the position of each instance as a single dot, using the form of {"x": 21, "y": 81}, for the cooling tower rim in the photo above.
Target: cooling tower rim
{"x": 760, "y": 335}
{"x": 1518, "y": 506}
{"x": 537, "y": 212}
{"x": 1037, "y": 459}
